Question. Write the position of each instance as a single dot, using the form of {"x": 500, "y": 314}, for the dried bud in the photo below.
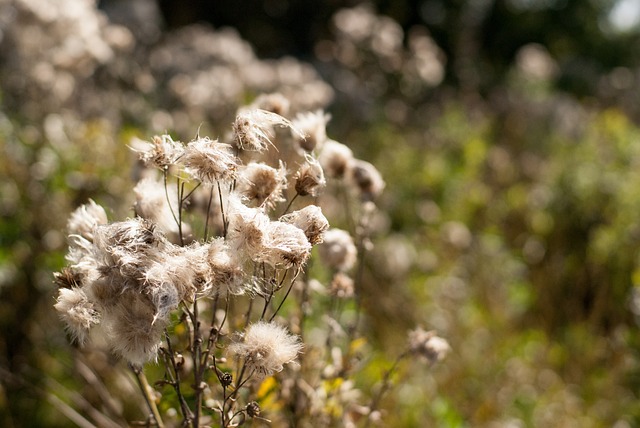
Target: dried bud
{"x": 253, "y": 409}
{"x": 225, "y": 379}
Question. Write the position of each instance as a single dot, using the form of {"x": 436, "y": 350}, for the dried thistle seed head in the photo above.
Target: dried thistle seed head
{"x": 310, "y": 220}
{"x": 133, "y": 331}
{"x": 427, "y": 345}
{"x": 160, "y": 152}
{"x": 85, "y": 218}
{"x": 155, "y": 202}
{"x": 342, "y": 286}
{"x": 225, "y": 269}
{"x": 313, "y": 126}
{"x": 335, "y": 158}
{"x": 265, "y": 347}
{"x": 124, "y": 250}
{"x": 78, "y": 313}
{"x": 261, "y": 184}
{"x": 253, "y": 129}
{"x": 310, "y": 178}
{"x": 274, "y": 103}
{"x": 246, "y": 227}
{"x": 338, "y": 250}
{"x": 209, "y": 160}
{"x": 366, "y": 179}
{"x": 284, "y": 245}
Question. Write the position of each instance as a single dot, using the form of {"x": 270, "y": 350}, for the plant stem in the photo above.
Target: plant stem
{"x": 146, "y": 392}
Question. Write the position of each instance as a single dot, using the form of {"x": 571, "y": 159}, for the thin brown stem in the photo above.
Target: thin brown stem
{"x": 143, "y": 383}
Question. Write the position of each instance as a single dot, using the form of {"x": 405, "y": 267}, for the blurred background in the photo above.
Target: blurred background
{"x": 506, "y": 130}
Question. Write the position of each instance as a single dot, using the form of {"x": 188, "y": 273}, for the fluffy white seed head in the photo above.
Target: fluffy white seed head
{"x": 261, "y": 184}
{"x": 160, "y": 152}
{"x": 310, "y": 178}
{"x": 133, "y": 330}
{"x": 314, "y": 127}
{"x": 254, "y": 129}
{"x": 335, "y": 158}
{"x": 78, "y": 313}
{"x": 338, "y": 250}
{"x": 366, "y": 179}
{"x": 310, "y": 220}
{"x": 226, "y": 273}
{"x": 265, "y": 347}
{"x": 209, "y": 160}
{"x": 284, "y": 245}
{"x": 85, "y": 218}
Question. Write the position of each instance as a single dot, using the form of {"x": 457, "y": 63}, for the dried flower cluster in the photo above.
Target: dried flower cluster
{"x": 222, "y": 226}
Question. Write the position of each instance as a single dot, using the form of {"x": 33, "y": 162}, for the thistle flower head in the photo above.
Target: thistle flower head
{"x": 310, "y": 178}
{"x": 209, "y": 160}
{"x": 160, "y": 152}
{"x": 266, "y": 347}
{"x": 124, "y": 250}
{"x": 261, "y": 184}
{"x": 335, "y": 158}
{"x": 274, "y": 103}
{"x": 427, "y": 345}
{"x": 314, "y": 127}
{"x": 366, "y": 179}
{"x": 310, "y": 220}
{"x": 246, "y": 227}
{"x": 253, "y": 129}
{"x": 77, "y": 312}
{"x": 133, "y": 330}
{"x": 284, "y": 245}
{"x": 338, "y": 250}
{"x": 226, "y": 273}
{"x": 85, "y": 218}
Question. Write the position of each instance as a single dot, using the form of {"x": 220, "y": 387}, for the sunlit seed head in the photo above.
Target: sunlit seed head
{"x": 209, "y": 160}
{"x": 265, "y": 347}
{"x": 85, "y": 218}
{"x": 160, "y": 152}
{"x": 310, "y": 220}
{"x": 78, "y": 313}
{"x": 261, "y": 184}
{"x": 313, "y": 127}
{"x": 310, "y": 178}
